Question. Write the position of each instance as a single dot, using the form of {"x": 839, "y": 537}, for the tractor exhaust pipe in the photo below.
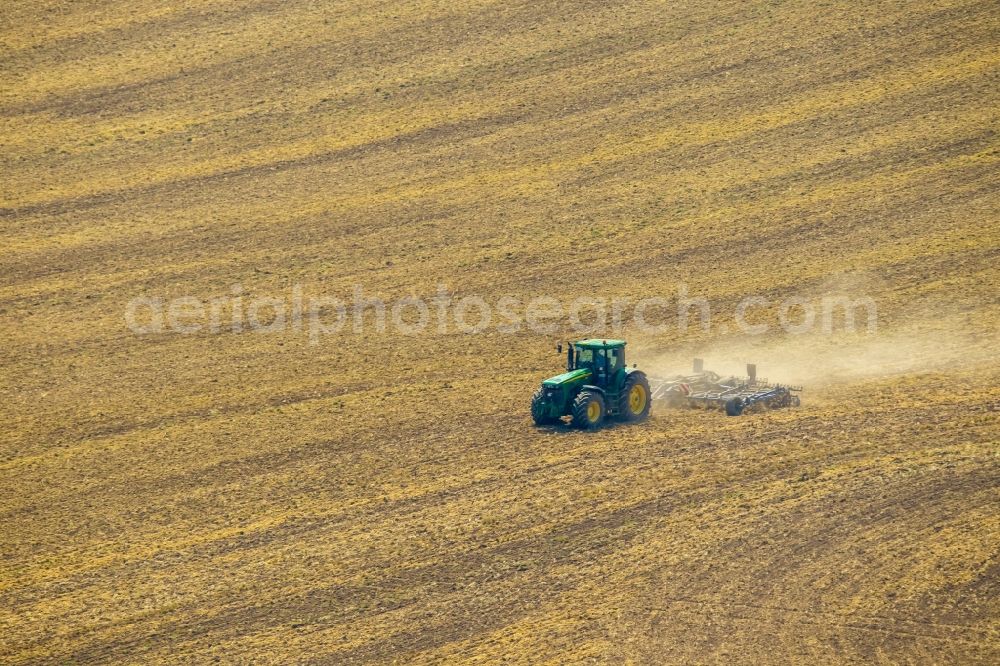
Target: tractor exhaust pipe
{"x": 569, "y": 356}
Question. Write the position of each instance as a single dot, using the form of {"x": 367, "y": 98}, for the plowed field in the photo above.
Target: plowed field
{"x": 372, "y": 496}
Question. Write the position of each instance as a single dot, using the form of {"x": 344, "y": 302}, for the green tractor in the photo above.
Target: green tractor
{"x": 596, "y": 385}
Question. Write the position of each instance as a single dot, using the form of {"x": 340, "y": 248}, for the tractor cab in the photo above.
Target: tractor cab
{"x": 604, "y": 358}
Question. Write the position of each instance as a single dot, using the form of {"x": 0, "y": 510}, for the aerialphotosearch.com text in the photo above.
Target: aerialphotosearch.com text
{"x": 321, "y": 315}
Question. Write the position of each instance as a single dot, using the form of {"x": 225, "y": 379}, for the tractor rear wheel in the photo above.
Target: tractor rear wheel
{"x": 588, "y": 410}
{"x": 539, "y": 411}
{"x": 634, "y": 402}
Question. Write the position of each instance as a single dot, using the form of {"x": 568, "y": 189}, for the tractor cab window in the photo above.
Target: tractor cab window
{"x": 617, "y": 359}
{"x": 600, "y": 362}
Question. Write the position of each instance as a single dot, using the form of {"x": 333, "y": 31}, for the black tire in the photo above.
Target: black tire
{"x": 634, "y": 403}
{"x": 585, "y": 414}
{"x": 734, "y": 407}
{"x": 538, "y": 411}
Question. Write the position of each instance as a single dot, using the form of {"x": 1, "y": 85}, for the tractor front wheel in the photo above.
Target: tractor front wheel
{"x": 588, "y": 410}
{"x": 634, "y": 403}
{"x": 539, "y": 410}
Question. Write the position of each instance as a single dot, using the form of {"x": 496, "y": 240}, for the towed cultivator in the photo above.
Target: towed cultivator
{"x": 707, "y": 390}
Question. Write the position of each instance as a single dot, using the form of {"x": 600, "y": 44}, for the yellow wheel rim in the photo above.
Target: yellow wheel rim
{"x": 637, "y": 399}
{"x": 593, "y": 411}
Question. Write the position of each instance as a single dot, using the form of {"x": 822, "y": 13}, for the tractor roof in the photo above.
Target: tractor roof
{"x": 599, "y": 344}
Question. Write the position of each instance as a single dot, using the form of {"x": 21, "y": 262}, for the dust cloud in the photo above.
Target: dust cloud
{"x": 818, "y": 359}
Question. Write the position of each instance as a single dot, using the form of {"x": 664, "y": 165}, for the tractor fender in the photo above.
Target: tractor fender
{"x": 632, "y": 371}
{"x": 595, "y": 389}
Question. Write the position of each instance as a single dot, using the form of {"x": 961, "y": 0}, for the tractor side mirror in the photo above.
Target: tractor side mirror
{"x": 559, "y": 348}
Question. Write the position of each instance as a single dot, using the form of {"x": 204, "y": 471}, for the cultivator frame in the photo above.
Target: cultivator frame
{"x": 706, "y": 390}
